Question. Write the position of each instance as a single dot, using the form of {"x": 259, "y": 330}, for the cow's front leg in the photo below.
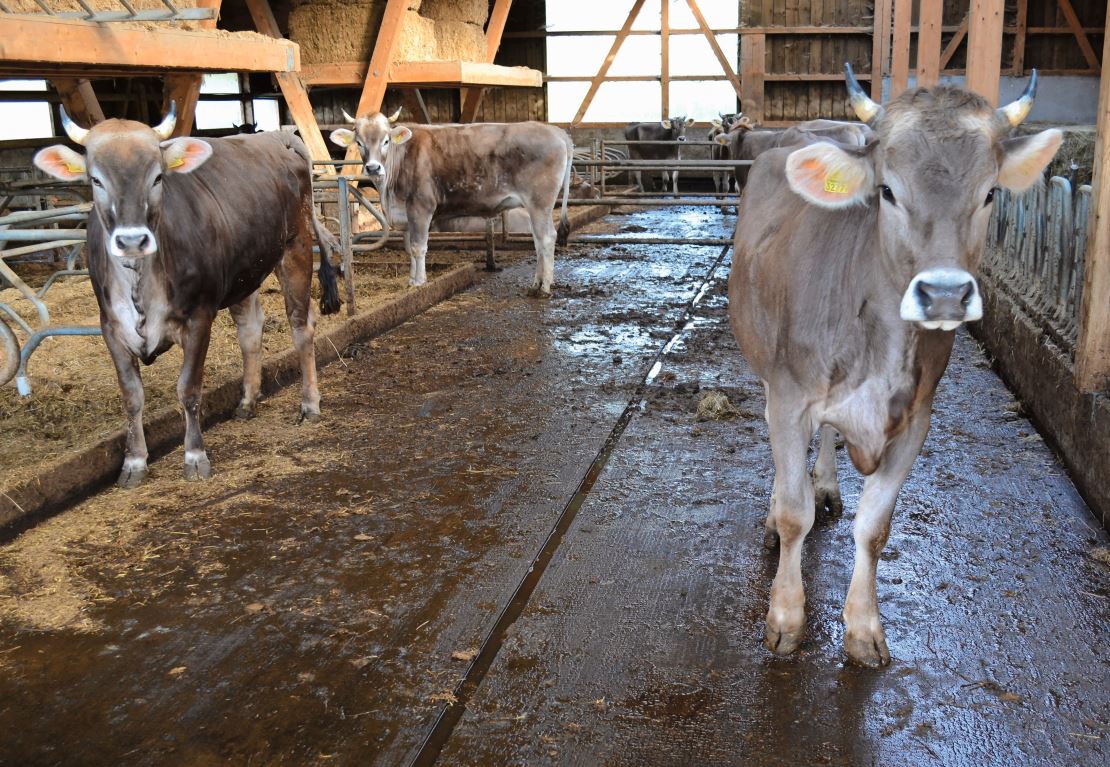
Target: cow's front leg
{"x": 826, "y": 489}
{"x": 790, "y": 519}
{"x": 131, "y": 387}
{"x": 543, "y": 236}
{"x": 249, "y": 318}
{"x": 417, "y": 245}
{"x": 666, "y": 180}
{"x": 864, "y": 638}
{"x": 639, "y": 180}
{"x": 194, "y": 346}
{"x": 674, "y": 182}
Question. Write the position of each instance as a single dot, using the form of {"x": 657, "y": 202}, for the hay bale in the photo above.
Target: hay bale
{"x": 473, "y": 11}
{"x": 459, "y": 40}
{"x": 418, "y": 39}
{"x": 346, "y": 31}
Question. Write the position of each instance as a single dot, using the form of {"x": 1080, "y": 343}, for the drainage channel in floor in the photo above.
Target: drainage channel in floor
{"x": 449, "y": 717}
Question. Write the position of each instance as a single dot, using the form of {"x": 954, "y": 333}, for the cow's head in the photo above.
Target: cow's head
{"x": 932, "y": 170}
{"x": 676, "y": 128}
{"x": 125, "y": 162}
{"x": 735, "y": 129}
{"x": 373, "y": 135}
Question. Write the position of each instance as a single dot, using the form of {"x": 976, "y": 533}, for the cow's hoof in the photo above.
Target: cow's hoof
{"x": 197, "y": 465}
{"x": 416, "y": 283}
{"x": 867, "y": 648}
{"x": 131, "y": 476}
{"x": 539, "y": 291}
{"x": 494, "y": 268}
{"x": 782, "y": 642}
{"x": 828, "y": 498}
{"x": 770, "y": 538}
{"x": 244, "y": 412}
{"x": 311, "y": 416}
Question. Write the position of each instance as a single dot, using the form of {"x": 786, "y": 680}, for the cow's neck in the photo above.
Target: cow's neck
{"x": 138, "y": 304}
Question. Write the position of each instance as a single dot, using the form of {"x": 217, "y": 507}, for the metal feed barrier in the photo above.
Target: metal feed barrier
{"x": 1036, "y": 247}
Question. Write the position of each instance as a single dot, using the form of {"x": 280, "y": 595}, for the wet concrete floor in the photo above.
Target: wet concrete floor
{"x": 321, "y": 600}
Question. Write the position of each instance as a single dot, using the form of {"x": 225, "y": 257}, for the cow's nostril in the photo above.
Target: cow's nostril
{"x": 924, "y": 295}
{"x": 968, "y": 294}
{"x": 143, "y": 240}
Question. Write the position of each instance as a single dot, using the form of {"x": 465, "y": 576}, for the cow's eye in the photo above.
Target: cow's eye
{"x": 158, "y": 179}
{"x": 990, "y": 198}
{"x": 96, "y": 182}
{"x": 887, "y": 194}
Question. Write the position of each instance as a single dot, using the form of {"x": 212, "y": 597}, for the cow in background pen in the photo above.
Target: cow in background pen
{"x": 673, "y": 129}
{"x": 723, "y": 181}
{"x": 426, "y": 172}
{"x": 182, "y": 228}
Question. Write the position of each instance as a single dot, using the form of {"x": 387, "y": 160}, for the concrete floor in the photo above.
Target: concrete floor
{"x": 324, "y": 598}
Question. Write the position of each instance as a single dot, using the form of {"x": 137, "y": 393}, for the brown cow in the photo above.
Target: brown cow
{"x": 424, "y": 172}
{"x": 182, "y": 228}
{"x": 746, "y": 143}
{"x": 852, "y": 268}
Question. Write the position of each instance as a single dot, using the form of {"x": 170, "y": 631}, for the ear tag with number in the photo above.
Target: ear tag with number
{"x": 834, "y": 185}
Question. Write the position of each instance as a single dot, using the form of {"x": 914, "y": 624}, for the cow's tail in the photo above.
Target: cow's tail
{"x": 563, "y": 235}
{"x": 329, "y": 286}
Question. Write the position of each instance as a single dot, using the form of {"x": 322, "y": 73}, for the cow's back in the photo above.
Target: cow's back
{"x": 649, "y": 132}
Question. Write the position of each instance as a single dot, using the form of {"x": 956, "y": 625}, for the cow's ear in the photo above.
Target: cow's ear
{"x": 829, "y": 177}
{"x": 666, "y": 124}
{"x": 184, "y": 155}
{"x": 400, "y": 134}
{"x": 342, "y": 137}
{"x": 690, "y": 121}
{"x": 722, "y": 139}
{"x": 1024, "y": 158}
{"x": 716, "y": 122}
{"x": 61, "y": 162}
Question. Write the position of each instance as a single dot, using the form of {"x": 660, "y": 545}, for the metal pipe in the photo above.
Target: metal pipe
{"x": 345, "y": 242}
{"x": 680, "y": 164}
{"x": 41, "y": 235}
{"x": 22, "y": 383}
{"x": 24, "y": 216}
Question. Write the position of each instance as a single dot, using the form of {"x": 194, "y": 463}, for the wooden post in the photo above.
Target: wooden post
{"x": 292, "y": 88}
{"x": 1092, "y": 353}
{"x": 1080, "y": 35}
{"x": 664, "y": 60}
{"x": 930, "y": 18}
{"x": 472, "y": 97}
{"x": 1019, "y": 37}
{"x": 954, "y": 44}
{"x": 880, "y": 46}
{"x": 604, "y": 69}
{"x": 753, "y": 63}
{"x": 377, "y": 76}
{"x": 79, "y": 100}
{"x": 984, "y": 48}
{"x": 184, "y": 89}
{"x": 900, "y": 50}
{"x": 712, "y": 40}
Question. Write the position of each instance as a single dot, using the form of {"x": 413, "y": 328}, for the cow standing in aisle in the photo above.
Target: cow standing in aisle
{"x": 673, "y": 129}
{"x": 180, "y": 229}
{"x": 853, "y": 267}
{"x": 722, "y": 125}
{"x": 427, "y": 172}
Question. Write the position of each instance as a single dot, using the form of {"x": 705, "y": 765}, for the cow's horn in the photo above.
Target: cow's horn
{"x": 395, "y": 116}
{"x": 165, "y": 128}
{"x": 347, "y": 117}
{"x": 76, "y": 133}
{"x": 1016, "y": 111}
{"x": 866, "y": 109}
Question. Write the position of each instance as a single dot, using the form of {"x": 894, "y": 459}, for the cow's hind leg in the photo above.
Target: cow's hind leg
{"x": 295, "y": 274}
{"x": 639, "y": 180}
{"x": 417, "y": 246}
{"x": 826, "y": 489}
{"x": 131, "y": 387}
{"x": 791, "y": 518}
{"x": 543, "y": 235}
{"x": 190, "y": 386}
{"x": 249, "y": 318}
{"x": 864, "y": 638}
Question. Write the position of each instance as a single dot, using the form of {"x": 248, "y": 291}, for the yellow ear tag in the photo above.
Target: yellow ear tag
{"x": 397, "y": 138}
{"x": 177, "y": 162}
{"x": 834, "y": 185}
{"x": 74, "y": 168}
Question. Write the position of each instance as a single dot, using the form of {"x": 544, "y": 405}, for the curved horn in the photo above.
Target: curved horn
{"x": 347, "y": 117}
{"x": 1016, "y": 111}
{"x": 76, "y": 133}
{"x": 395, "y": 116}
{"x": 165, "y": 128}
{"x": 865, "y": 109}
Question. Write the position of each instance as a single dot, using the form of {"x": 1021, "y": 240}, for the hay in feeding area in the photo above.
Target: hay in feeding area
{"x": 714, "y": 406}
{"x": 75, "y": 399}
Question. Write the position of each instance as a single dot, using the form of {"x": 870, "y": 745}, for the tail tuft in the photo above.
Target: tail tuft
{"x": 329, "y": 287}
{"x": 562, "y": 236}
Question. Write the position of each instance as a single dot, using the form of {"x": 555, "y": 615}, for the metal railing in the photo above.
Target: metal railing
{"x": 129, "y": 13}
{"x": 1036, "y": 248}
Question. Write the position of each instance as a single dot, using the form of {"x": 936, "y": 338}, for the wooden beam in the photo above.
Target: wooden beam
{"x": 880, "y": 46}
{"x": 753, "y": 59}
{"x": 930, "y": 21}
{"x": 80, "y": 102}
{"x": 954, "y": 43}
{"x": 1092, "y": 353}
{"x": 900, "y": 48}
{"x": 377, "y": 76}
{"x": 455, "y": 73}
{"x": 292, "y": 88}
{"x": 47, "y": 40}
{"x": 184, "y": 91}
{"x": 604, "y": 69}
{"x": 414, "y": 105}
{"x": 472, "y": 97}
{"x": 712, "y": 40}
{"x": 984, "y": 48}
{"x": 664, "y": 60}
{"x": 1019, "y": 36}
{"x": 1080, "y": 35}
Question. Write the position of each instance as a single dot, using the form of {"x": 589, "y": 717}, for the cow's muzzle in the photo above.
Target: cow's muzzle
{"x": 942, "y": 299}
{"x": 132, "y": 242}
{"x": 375, "y": 170}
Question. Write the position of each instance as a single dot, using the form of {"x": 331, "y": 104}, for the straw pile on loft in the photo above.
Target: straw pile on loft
{"x": 331, "y": 31}
{"x": 67, "y": 6}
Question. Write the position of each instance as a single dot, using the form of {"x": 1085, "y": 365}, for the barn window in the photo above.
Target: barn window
{"x": 24, "y": 119}
{"x": 584, "y": 32}
{"x": 219, "y": 113}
